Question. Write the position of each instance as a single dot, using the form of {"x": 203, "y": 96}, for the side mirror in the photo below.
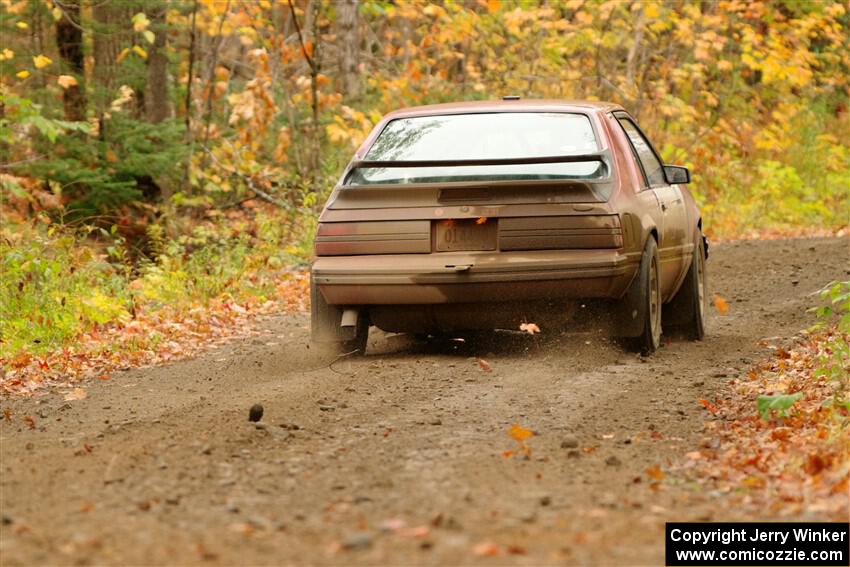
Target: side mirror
{"x": 676, "y": 174}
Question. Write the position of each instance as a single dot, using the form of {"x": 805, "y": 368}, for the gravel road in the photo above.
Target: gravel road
{"x": 396, "y": 458}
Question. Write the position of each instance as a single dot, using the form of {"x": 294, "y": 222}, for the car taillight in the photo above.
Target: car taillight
{"x": 560, "y": 232}
{"x": 373, "y": 237}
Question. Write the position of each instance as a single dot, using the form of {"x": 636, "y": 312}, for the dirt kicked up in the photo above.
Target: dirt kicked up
{"x": 401, "y": 457}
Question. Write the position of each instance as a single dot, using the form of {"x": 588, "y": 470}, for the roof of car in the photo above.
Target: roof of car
{"x": 522, "y": 105}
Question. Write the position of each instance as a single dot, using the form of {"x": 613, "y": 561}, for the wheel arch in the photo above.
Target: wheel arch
{"x": 653, "y": 233}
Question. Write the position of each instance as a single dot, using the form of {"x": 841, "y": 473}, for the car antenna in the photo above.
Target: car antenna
{"x": 510, "y": 97}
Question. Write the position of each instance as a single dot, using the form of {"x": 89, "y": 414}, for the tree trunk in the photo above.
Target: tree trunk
{"x": 349, "y": 48}
{"x": 69, "y": 40}
{"x": 157, "y": 103}
{"x": 112, "y": 33}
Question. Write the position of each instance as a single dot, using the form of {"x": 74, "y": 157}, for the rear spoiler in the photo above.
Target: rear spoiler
{"x": 602, "y": 157}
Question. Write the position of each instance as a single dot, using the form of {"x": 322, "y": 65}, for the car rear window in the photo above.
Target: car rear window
{"x": 508, "y": 135}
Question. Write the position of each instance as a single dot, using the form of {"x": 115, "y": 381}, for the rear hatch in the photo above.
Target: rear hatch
{"x": 493, "y": 181}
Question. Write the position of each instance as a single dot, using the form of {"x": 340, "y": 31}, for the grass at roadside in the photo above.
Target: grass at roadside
{"x": 80, "y": 301}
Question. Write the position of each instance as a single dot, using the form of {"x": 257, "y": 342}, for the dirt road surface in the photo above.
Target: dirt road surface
{"x": 395, "y": 458}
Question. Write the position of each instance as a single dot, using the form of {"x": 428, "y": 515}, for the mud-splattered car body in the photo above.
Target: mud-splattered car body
{"x": 482, "y": 215}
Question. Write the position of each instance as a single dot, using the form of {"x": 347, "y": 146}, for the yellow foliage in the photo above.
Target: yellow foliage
{"x": 101, "y": 308}
{"x": 337, "y": 133}
{"x": 140, "y": 22}
{"x": 41, "y": 61}
{"x": 651, "y": 9}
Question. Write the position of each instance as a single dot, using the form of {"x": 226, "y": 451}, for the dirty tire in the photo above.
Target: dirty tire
{"x": 325, "y": 330}
{"x": 686, "y": 312}
{"x": 641, "y": 309}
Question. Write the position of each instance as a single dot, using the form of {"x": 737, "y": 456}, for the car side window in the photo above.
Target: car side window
{"x": 652, "y": 167}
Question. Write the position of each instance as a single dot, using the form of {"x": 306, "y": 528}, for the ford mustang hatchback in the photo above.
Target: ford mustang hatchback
{"x": 485, "y": 215}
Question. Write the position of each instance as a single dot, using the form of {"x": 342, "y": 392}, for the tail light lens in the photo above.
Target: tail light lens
{"x": 561, "y": 232}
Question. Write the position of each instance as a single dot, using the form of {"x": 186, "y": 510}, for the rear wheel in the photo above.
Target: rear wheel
{"x": 326, "y": 330}
{"x": 686, "y": 312}
{"x": 641, "y": 310}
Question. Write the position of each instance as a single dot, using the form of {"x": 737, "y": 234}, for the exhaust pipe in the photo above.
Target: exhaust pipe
{"x": 349, "y": 318}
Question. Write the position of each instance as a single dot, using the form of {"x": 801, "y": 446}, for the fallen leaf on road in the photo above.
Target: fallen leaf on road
{"x": 721, "y": 305}
{"x": 244, "y": 528}
{"x": 516, "y": 550}
{"x": 75, "y": 394}
{"x": 393, "y": 524}
{"x": 654, "y": 472}
{"x": 709, "y": 406}
{"x": 417, "y": 532}
{"x": 519, "y": 433}
{"x": 529, "y": 328}
{"x": 486, "y": 549}
{"x": 484, "y": 365}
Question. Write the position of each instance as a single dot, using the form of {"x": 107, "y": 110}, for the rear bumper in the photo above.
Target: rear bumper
{"x": 471, "y": 277}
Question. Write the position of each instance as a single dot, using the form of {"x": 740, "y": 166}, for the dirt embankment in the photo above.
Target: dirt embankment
{"x": 395, "y": 458}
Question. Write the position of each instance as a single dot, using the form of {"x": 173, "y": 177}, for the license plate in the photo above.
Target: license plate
{"x": 466, "y": 234}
